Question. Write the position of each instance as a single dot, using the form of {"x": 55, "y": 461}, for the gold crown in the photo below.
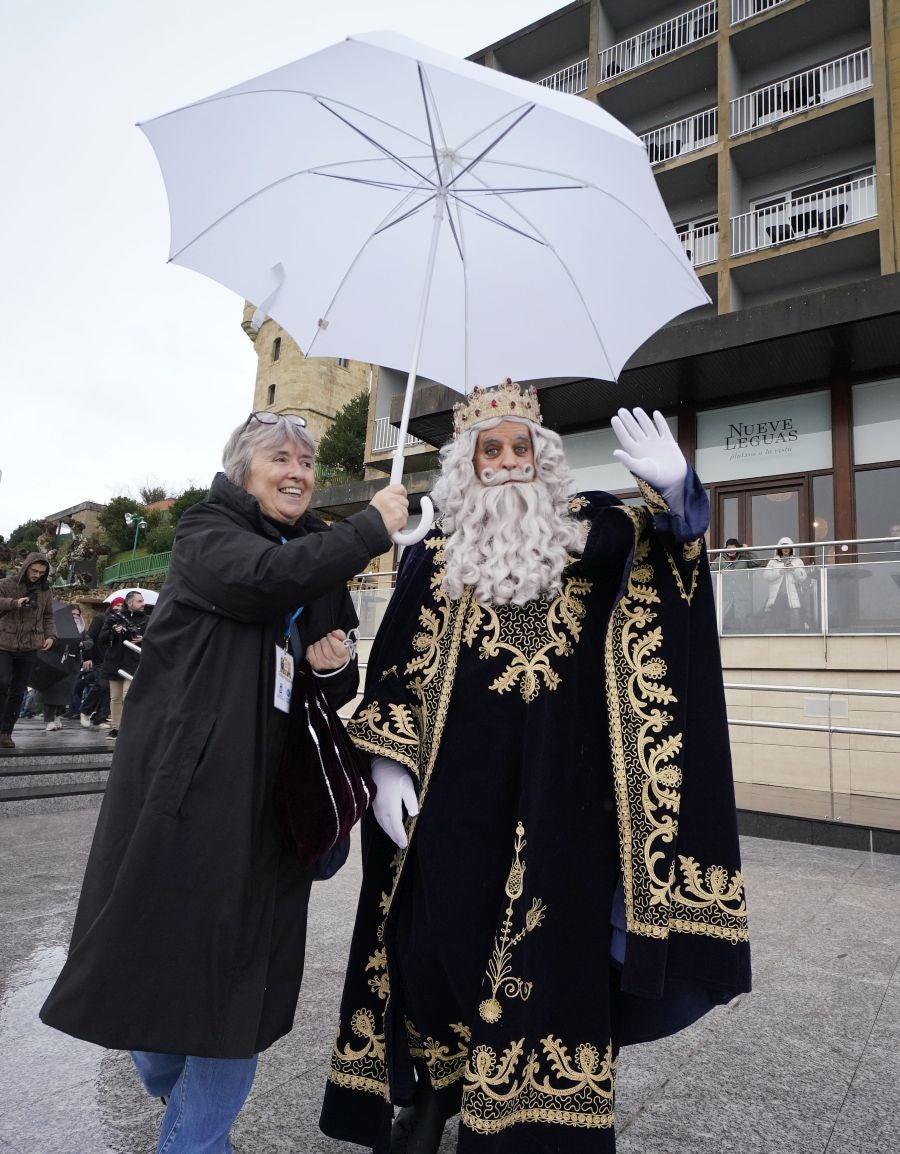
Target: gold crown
{"x": 506, "y": 400}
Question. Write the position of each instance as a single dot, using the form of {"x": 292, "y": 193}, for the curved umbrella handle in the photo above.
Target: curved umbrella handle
{"x": 411, "y": 536}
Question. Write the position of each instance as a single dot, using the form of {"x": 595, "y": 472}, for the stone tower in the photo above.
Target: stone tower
{"x": 289, "y": 382}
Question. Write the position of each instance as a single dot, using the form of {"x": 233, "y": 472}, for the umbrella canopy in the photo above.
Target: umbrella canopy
{"x": 66, "y": 629}
{"x": 313, "y": 190}
{"x": 150, "y": 595}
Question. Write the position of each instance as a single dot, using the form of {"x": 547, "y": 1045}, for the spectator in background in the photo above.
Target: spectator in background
{"x": 125, "y": 622}
{"x": 26, "y": 626}
{"x": 787, "y": 576}
{"x": 737, "y": 588}
{"x": 95, "y": 703}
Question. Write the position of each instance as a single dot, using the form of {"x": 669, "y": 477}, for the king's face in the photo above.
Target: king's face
{"x": 506, "y": 446}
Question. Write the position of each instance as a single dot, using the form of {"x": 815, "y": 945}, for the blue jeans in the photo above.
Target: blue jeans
{"x": 205, "y": 1095}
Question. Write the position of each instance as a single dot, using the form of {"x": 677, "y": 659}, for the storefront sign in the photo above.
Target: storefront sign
{"x": 590, "y": 458}
{"x": 764, "y": 439}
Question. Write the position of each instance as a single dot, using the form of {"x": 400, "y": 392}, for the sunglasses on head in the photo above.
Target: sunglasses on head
{"x": 274, "y": 418}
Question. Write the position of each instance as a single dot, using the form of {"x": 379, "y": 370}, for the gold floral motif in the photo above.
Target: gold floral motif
{"x": 576, "y": 504}
{"x": 445, "y": 1066}
{"x": 553, "y": 1087}
{"x": 647, "y": 775}
{"x": 499, "y": 970}
{"x": 531, "y": 633}
{"x": 362, "y": 1068}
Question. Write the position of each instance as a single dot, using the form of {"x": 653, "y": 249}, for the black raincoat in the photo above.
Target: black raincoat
{"x": 190, "y": 931}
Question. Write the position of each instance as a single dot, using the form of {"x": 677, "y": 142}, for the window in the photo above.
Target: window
{"x": 342, "y": 362}
{"x": 276, "y": 349}
{"x": 877, "y": 502}
{"x": 270, "y": 395}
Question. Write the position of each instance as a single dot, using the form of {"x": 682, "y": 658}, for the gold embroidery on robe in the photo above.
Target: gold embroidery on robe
{"x": 552, "y": 1087}
{"x": 648, "y": 782}
{"x": 531, "y": 633}
{"x": 499, "y": 970}
{"x": 362, "y": 1068}
{"x": 444, "y": 1066}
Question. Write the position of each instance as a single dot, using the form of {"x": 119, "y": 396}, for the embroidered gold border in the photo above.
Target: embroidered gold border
{"x": 646, "y": 755}
{"x": 552, "y": 1087}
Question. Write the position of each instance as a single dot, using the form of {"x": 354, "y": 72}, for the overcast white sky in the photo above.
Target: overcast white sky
{"x": 116, "y": 368}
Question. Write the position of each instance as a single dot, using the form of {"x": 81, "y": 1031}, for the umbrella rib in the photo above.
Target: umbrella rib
{"x": 437, "y": 163}
{"x": 391, "y": 184}
{"x": 496, "y": 220}
{"x": 385, "y": 151}
{"x": 566, "y": 270}
{"x": 506, "y": 131}
{"x": 400, "y": 219}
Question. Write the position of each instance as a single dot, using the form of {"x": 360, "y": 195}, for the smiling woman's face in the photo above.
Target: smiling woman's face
{"x": 281, "y": 479}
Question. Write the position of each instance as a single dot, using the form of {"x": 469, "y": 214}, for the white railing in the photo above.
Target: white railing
{"x": 700, "y": 243}
{"x": 821, "y": 85}
{"x": 837, "y": 207}
{"x": 744, "y": 9}
{"x": 660, "y": 40}
{"x": 385, "y": 436}
{"x": 572, "y": 79}
{"x": 682, "y": 136}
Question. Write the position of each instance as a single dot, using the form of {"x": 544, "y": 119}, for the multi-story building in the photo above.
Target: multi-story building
{"x": 773, "y": 130}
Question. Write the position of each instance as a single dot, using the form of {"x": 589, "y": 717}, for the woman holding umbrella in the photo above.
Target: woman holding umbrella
{"x": 189, "y": 939}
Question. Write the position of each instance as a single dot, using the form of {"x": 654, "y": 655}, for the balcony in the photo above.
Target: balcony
{"x": 385, "y": 436}
{"x": 839, "y": 206}
{"x": 660, "y": 40}
{"x": 700, "y": 243}
{"x": 572, "y": 79}
{"x": 744, "y": 9}
{"x": 821, "y": 85}
{"x": 682, "y": 136}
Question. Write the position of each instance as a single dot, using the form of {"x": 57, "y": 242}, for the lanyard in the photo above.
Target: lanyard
{"x": 292, "y": 617}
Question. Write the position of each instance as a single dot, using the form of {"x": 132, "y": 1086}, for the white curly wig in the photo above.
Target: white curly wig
{"x": 510, "y": 541}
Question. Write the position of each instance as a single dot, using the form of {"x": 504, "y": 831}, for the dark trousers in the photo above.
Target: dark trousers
{"x": 14, "y": 671}
{"x": 95, "y": 702}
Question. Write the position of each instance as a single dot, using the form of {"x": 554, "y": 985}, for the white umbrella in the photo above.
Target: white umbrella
{"x": 388, "y": 203}
{"x": 149, "y": 595}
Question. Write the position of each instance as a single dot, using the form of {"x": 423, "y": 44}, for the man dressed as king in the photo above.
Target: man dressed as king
{"x": 551, "y": 865}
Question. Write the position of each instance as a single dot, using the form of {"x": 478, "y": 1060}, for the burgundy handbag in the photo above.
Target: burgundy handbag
{"x": 324, "y": 784}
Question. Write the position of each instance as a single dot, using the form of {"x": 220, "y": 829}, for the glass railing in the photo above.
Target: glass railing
{"x": 841, "y": 588}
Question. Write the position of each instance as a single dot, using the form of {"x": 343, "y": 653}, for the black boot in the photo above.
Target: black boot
{"x": 418, "y": 1129}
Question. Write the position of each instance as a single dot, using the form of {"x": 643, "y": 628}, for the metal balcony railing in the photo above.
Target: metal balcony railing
{"x": 571, "y": 79}
{"x": 820, "y": 85}
{"x": 744, "y": 9}
{"x": 682, "y": 136}
{"x": 660, "y": 40}
{"x": 385, "y": 436}
{"x": 838, "y": 207}
{"x": 700, "y": 243}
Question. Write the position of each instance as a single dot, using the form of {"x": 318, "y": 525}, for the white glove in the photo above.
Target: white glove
{"x": 394, "y": 788}
{"x": 649, "y": 450}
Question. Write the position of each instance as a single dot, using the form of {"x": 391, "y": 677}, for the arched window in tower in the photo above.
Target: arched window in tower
{"x": 276, "y": 349}
{"x": 270, "y": 395}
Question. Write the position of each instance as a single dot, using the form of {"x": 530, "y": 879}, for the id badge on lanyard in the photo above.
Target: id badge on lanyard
{"x": 284, "y": 664}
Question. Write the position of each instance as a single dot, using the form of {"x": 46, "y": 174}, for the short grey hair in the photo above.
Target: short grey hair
{"x": 249, "y": 438}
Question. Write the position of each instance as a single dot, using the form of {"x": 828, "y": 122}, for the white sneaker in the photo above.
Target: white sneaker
{"x": 58, "y": 723}
{"x": 85, "y": 719}
{"x": 50, "y": 726}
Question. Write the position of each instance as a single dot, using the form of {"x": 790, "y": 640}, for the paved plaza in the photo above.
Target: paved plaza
{"x": 808, "y": 1063}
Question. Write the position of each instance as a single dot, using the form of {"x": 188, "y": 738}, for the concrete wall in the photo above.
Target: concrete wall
{"x": 860, "y": 765}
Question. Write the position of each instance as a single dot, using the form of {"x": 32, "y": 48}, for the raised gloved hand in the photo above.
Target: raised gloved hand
{"x": 648, "y": 449}
{"x": 394, "y": 789}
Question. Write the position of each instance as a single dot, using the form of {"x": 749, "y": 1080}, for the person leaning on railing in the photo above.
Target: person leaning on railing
{"x": 189, "y": 940}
